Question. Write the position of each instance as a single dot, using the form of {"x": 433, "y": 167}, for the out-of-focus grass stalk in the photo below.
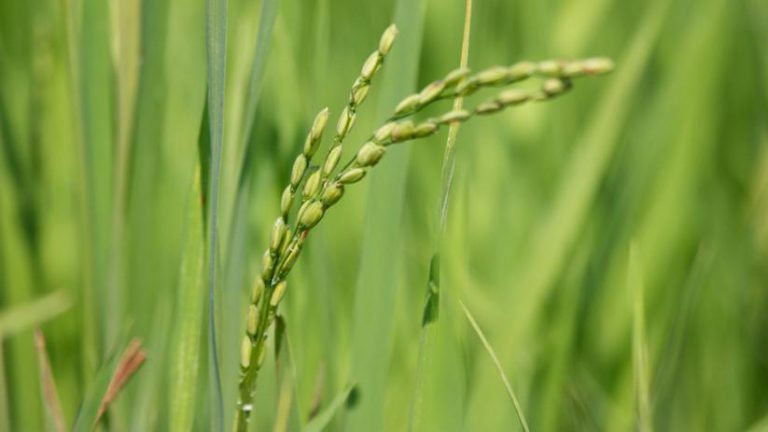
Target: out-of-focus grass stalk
{"x": 188, "y": 324}
{"x": 499, "y": 368}
{"x": 216, "y": 43}
{"x": 432, "y": 304}
{"x": 32, "y": 314}
{"x": 639, "y": 342}
{"x": 125, "y": 15}
{"x": 375, "y": 293}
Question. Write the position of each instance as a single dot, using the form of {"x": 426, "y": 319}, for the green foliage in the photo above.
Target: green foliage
{"x": 104, "y": 122}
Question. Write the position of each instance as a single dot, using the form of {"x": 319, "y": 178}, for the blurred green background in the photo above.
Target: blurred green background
{"x": 612, "y": 244}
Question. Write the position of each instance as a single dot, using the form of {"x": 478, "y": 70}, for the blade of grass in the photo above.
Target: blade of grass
{"x": 375, "y": 292}
{"x": 125, "y": 17}
{"x": 499, "y": 368}
{"x": 581, "y": 177}
{"x": 216, "y": 43}
{"x": 269, "y": 9}
{"x": 33, "y": 314}
{"x": 320, "y": 421}
{"x": 108, "y": 381}
{"x": 54, "y": 413}
{"x": 639, "y": 342}
{"x": 431, "y": 308}
{"x": 5, "y": 412}
{"x": 132, "y": 359}
{"x": 190, "y": 303}
{"x": 95, "y": 87}
{"x": 236, "y": 203}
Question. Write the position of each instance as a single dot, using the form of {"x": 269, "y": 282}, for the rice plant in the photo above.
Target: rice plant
{"x": 203, "y": 226}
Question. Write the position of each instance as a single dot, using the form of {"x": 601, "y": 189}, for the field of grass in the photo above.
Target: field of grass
{"x": 600, "y": 261}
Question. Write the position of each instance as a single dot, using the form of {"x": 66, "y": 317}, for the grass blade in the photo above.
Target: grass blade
{"x": 431, "y": 308}
{"x": 109, "y": 381}
{"x": 319, "y": 422}
{"x": 582, "y": 175}
{"x": 499, "y": 368}
{"x": 129, "y": 364}
{"x": 190, "y": 301}
{"x": 375, "y": 294}
{"x": 33, "y": 313}
{"x": 639, "y": 343}
{"x": 48, "y": 386}
{"x": 216, "y": 43}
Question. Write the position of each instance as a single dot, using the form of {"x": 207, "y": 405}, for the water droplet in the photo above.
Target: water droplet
{"x": 247, "y": 408}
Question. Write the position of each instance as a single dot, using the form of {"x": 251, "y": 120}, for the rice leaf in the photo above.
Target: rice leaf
{"x": 33, "y": 314}
{"x": 323, "y": 419}
{"x": 639, "y": 343}
{"x": 492, "y": 353}
{"x": 53, "y": 411}
{"x": 109, "y": 380}
{"x": 373, "y": 317}
{"x": 216, "y": 43}
{"x": 190, "y": 301}
{"x": 432, "y": 303}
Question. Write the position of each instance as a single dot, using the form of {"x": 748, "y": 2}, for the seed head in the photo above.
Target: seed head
{"x": 311, "y": 186}
{"x": 318, "y": 126}
{"x": 468, "y": 86}
{"x": 493, "y": 76}
{"x": 253, "y": 319}
{"x": 408, "y": 104}
{"x": 387, "y": 39}
{"x": 359, "y": 93}
{"x": 430, "y": 92}
{"x": 425, "y": 129}
{"x": 455, "y": 76}
{"x": 286, "y": 200}
{"x": 512, "y": 97}
{"x": 597, "y": 66}
{"x": 552, "y": 68}
{"x": 286, "y": 240}
{"x": 489, "y": 107}
{"x": 311, "y": 214}
{"x": 332, "y": 194}
{"x": 257, "y": 290}
{"x": 352, "y": 176}
{"x": 369, "y": 154}
{"x": 521, "y": 71}
{"x": 554, "y": 87}
{"x": 402, "y": 131}
{"x": 267, "y": 265}
{"x": 278, "y": 293}
{"x": 245, "y": 352}
{"x": 331, "y": 160}
{"x": 299, "y": 167}
{"x": 290, "y": 260}
{"x": 454, "y": 116}
{"x": 383, "y": 133}
{"x": 260, "y": 356}
{"x": 278, "y": 230}
{"x": 371, "y": 65}
{"x": 345, "y": 122}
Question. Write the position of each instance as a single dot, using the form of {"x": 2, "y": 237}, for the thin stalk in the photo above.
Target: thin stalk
{"x": 497, "y": 363}
{"x": 447, "y": 177}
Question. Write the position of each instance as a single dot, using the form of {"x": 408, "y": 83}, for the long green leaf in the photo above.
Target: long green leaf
{"x": 376, "y": 286}
{"x": 216, "y": 43}
{"x": 190, "y": 304}
{"x": 499, "y": 368}
{"x": 432, "y": 303}
{"x": 32, "y": 314}
{"x": 639, "y": 342}
{"x": 322, "y": 420}
{"x": 110, "y": 378}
